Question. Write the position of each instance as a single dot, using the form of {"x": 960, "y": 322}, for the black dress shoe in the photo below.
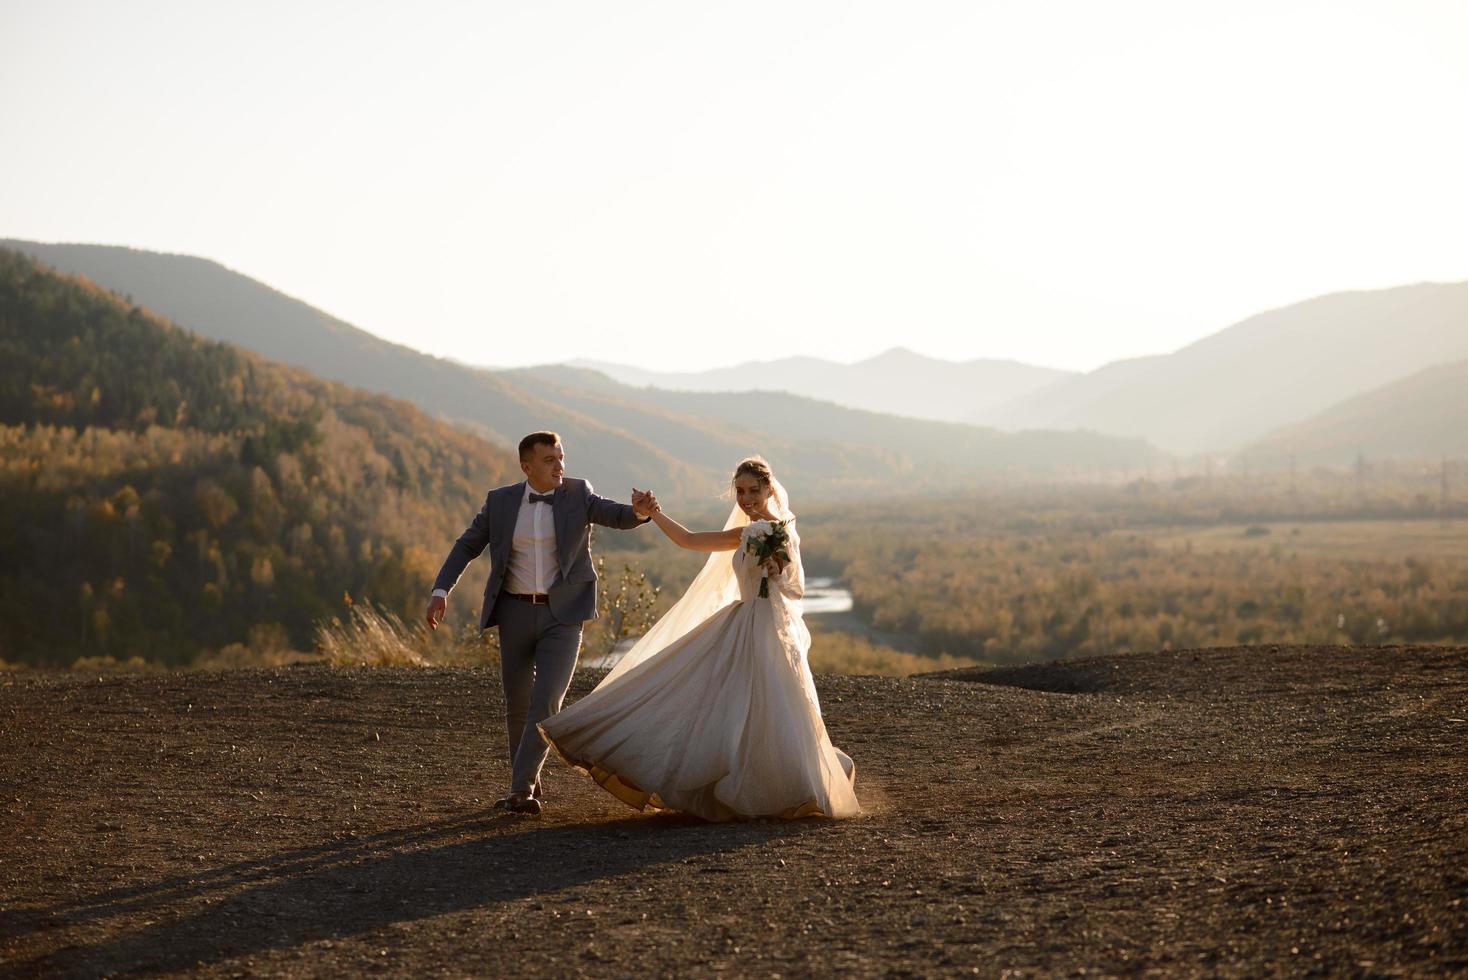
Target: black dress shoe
{"x": 520, "y": 803}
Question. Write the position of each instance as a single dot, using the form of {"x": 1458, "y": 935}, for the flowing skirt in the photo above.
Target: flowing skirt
{"x": 724, "y": 723}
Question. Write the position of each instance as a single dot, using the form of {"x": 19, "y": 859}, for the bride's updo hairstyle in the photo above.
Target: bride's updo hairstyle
{"x": 754, "y": 466}
{"x": 759, "y": 468}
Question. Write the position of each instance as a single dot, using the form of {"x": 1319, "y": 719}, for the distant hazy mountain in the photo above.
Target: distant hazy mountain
{"x": 1057, "y": 404}
{"x": 616, "y": 435}
{"x": 1271, "y": 370}
{"x": 1424, "y": 416}
{"x": 820, "y": 442}
{"x": 898, "y": 382}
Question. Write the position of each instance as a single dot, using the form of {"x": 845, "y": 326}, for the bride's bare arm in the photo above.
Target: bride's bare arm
{"x": 697, "y": 540}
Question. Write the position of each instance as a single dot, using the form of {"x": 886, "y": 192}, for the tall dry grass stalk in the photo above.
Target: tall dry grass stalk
{"x": 375, "y": 637}
{"x": 370, "y": 636}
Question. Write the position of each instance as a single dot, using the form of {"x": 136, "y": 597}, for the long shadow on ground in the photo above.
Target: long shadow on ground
{"x": 1275, "y": 669}
{"x": 353, "y": 888}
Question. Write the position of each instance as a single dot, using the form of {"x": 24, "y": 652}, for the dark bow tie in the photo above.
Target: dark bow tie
{"x": 542, "y": 498}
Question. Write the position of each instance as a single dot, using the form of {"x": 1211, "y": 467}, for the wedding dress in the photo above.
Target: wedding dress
{"x": 715, "y": 713}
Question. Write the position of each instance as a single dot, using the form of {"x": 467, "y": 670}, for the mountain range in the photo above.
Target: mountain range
{"x": 1218, "y": 395}
{"x": 617, "y": 435}
{"x": 219, "y": 304}
{"x": 845, "y": 428}
{"x": 1270, "y": 371}
{"x": 897, "y": 382}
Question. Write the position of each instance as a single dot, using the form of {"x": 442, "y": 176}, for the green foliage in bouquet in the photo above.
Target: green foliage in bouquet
{"x": 774, "y": 543}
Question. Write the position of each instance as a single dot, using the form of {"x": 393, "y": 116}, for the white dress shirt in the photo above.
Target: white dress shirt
{"x": 533, "y": 563}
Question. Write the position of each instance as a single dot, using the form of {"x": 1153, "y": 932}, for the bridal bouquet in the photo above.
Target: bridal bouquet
{"x": 772, "y": 543}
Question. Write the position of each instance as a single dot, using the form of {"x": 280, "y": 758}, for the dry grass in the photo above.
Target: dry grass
{"x": 237, "y": 655}
{"x": 111, "y": 665}
{"x": 369, "y": 636}
{"x": 838, "y": 652}
{"x": 374, "y": 637}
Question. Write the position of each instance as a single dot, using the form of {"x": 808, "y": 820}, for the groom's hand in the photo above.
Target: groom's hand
{"x": 437, "y": 606}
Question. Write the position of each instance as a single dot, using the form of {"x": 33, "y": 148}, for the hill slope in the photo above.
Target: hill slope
{"x": 1225, "y": 812}
{"x": 616, "y": 435}
{"x": 162, "y": 493}
{"x": 220, "y": 304}
{"x": 1420, "y": 417}
{"x": 1271, "y": 370}
{"x": 1059, "y": 403}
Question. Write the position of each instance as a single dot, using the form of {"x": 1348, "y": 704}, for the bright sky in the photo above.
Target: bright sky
{"x": 689, "y": 185}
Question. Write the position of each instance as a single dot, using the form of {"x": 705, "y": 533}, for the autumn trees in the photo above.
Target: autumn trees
{"x": 163, "y": 495}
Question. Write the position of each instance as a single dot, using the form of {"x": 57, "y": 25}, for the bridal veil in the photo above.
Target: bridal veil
{"x": 713, "y": 589}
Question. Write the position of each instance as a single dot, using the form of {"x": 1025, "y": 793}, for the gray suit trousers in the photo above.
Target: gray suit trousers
{"x": 537, "y": 658}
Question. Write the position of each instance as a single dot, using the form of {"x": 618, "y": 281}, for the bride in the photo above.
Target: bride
{"x": 714, "y": 711}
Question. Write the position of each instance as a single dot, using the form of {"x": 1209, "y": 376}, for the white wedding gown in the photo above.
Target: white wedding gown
{"x": 723, "y": 721}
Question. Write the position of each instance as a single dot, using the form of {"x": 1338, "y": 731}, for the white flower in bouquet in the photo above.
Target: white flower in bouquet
{"x": 768, "y": 539}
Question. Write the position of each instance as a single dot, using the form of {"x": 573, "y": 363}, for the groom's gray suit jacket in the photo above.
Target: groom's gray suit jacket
{"x": 572, "y": 597}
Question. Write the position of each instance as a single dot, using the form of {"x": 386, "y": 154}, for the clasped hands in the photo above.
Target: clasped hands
{"x": 645, "y": 503}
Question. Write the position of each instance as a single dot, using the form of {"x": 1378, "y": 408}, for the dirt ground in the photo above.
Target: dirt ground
{"x": 1231, "y": 812}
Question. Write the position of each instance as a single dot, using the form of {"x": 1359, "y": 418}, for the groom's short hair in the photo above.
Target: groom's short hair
{"x": 528, "y": 444}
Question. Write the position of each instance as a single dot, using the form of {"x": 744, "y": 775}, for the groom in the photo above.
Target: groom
{"x": 542, "y": 587}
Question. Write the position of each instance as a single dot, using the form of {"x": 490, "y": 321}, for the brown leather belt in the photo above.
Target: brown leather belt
{"x": 534, "y": 598}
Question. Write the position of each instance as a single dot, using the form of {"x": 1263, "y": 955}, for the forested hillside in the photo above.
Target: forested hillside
{"x": 164, "y": 494}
